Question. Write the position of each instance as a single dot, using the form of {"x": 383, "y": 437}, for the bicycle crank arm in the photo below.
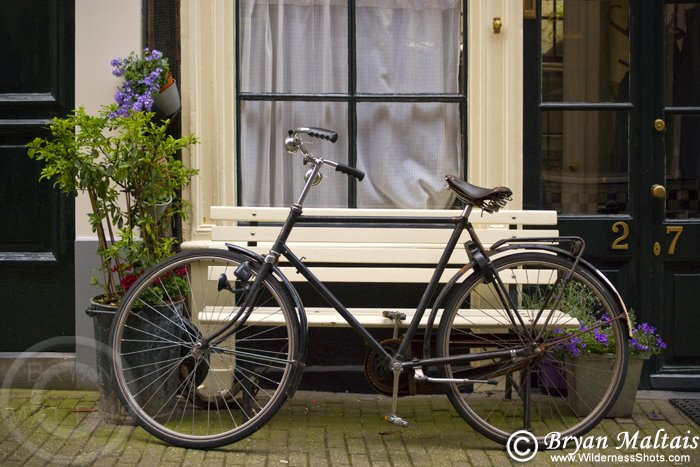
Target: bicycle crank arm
{"x": 420, "y": 376}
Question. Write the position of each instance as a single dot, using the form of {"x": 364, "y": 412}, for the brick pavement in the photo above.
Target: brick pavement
{"x": 64, "y": 428}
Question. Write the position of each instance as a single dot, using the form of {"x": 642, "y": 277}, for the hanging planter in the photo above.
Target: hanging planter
{"x": 157, "y": 210}
{"x": 148, "y": 84}
{"x": 167, "y": 101}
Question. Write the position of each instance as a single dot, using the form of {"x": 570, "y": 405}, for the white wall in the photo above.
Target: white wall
{"x": 104, "y": 29}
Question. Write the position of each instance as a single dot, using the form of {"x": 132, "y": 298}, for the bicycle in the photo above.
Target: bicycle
{"x": 208, "y": 344}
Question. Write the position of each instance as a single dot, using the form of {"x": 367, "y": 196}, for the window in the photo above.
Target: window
{"x": 388, "y": 75}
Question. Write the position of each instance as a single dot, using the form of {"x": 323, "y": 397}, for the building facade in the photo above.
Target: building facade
{"x": 587, "y": 107}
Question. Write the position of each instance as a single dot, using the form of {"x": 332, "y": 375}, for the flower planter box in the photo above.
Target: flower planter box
{"x": 581, "y": 396}
{"x": 110, "y": 406}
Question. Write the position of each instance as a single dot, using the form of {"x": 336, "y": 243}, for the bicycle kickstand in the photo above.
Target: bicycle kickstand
{"x": 392, "y": 417}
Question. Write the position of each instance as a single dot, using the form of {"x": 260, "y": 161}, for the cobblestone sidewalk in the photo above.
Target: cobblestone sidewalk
{"x": 64, "y": 428}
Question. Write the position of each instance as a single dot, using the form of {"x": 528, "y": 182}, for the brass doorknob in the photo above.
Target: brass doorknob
{"x": 658, "y": 191}
{"x": 659, "y": 125}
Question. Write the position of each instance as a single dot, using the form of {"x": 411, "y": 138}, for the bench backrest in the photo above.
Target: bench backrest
{"x": 402, "y": 254}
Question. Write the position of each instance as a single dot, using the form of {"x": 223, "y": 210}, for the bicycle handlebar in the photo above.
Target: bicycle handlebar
{"x": 293, "y": 144}
{"x": 352, "y": 171}
{"x": 322, "y": 133}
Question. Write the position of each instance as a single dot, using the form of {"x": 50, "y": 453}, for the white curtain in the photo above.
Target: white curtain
{"x": 300, "y": 46}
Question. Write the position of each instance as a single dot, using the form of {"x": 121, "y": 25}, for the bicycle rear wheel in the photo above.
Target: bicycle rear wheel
{"x": 557, "y": 387}
{"x": 204, "y": 396}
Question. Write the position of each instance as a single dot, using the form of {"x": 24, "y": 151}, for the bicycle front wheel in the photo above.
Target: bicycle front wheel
{"x": 204, "y": 396}
{"x": 559, "y": 385}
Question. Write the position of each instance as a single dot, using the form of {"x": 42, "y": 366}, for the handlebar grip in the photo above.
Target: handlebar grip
{"x": 352, "y": 171}
{"x": 322, "y": 133}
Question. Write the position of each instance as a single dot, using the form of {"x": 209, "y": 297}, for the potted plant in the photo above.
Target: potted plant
{"x": 128, "y": 167}
{"x": 148, "y": 83}
{"x": 596, "y": 349}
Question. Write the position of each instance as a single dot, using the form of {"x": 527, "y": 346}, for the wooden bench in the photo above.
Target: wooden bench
{"x": 372, "y": 254}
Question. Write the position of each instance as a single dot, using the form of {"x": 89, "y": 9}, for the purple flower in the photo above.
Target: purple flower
{"x": 142, "y": 78}
{"x": 600, "y": 336}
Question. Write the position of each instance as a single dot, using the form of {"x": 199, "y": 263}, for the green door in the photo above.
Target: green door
{"x": 673, "y": 186}
{"x": 36, "y": 223}
{"x": 611, "y": 141}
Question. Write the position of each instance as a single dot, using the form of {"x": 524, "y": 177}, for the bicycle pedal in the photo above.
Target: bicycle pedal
{"x": 396, "y": 420}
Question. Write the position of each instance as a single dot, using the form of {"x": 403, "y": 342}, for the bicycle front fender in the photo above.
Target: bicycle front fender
{"x": 301, "y": 312}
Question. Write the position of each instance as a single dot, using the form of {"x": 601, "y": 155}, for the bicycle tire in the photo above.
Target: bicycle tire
{"x": 527, "y": 395}
{"x": 214, "y": 395}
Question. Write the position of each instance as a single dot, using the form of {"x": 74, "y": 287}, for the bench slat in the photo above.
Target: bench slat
{"x": 269, "y": 214}
{"x": 372, "y": 317}
{"x": 374, "y": 254}
{"x": 365, "y": 234}
{"x": 393, "y": 275}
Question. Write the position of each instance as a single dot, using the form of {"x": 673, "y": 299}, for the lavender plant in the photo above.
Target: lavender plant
{"x": 143, "y": 75}
{"x": 645, "y": 341}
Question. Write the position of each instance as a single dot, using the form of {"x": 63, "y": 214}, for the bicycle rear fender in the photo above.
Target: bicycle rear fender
{"x": 613, "y": 292}
{"x": 301, "y": 313}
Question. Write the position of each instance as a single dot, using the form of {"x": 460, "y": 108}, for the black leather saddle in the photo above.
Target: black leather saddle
{"x": 488, "y": 199}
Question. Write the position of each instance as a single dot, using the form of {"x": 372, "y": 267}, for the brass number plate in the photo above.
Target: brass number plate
{"x": 620, "y": 243}
{"x": 676, "y": 230}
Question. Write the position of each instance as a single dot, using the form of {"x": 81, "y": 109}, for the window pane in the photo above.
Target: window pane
{"x": 288, "y": 46}
{"x": 408, "y": 47}
{"x": 682, "y": 55}
{"x": 682, "y": 167}
{"x": 406, "y": 150}
{"x": 584, "y": 166}
{"x": 272, "y": 177}
{"x": 585, "y": 51}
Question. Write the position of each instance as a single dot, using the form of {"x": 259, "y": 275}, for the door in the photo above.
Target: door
{"x": 36, "y": 222}
{"x": 674, "y": 185}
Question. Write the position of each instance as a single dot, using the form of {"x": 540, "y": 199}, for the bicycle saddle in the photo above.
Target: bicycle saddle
{"x": 488, "y": 199}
